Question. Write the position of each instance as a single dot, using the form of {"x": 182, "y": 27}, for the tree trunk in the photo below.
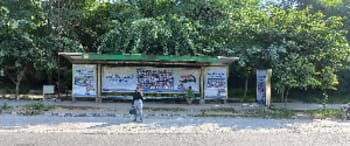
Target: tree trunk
{"x": 246, "y": 87}
{"x": 49, "y": 77}
{"x": 18, "y": 81}
{"x": 286, "y": 90}
{"x": 282, "y": 95}
{"x": 17, "y": 90}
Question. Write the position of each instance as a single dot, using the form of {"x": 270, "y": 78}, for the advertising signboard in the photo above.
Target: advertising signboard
{"x": 215, "y": 82}
{"x": 84, "y": 80}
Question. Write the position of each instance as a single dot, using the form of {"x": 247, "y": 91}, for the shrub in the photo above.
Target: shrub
{"x": 36, "y": 109}
{"x": 329, "y": 113}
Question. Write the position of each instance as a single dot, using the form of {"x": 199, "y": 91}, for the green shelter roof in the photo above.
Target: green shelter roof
{"x": 138, "y": 57}
{"x": 94, "y": 58}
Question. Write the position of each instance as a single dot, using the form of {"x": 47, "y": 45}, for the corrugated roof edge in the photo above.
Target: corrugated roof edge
{"x": 138, "y": 57}
{"x": 75, "y": 56}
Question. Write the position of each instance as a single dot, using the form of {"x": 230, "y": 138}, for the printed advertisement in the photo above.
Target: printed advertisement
{"x": 118, "y": 79}
{"x": 150, "y": 79}
{"x": 263, "y": 86}
{"x": 84, "y": 80}
{"x": 187, "y": 77}
{"x": 215, "y": 82}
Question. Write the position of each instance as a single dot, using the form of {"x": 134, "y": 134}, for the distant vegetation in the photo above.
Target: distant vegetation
{"x": 305, "y": 43}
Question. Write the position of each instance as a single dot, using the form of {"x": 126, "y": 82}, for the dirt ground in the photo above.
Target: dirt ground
{"x": 101, "y": 131}
{"x": 164, "y": 127}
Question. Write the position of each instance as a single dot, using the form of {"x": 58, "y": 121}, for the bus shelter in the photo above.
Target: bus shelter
{"x": 116, "y": 76}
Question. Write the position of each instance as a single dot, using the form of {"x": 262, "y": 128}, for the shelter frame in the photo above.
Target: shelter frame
{"x": 101, "y": 61}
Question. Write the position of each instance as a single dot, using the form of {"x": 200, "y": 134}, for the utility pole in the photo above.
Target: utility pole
{"x": 58, "y": 47}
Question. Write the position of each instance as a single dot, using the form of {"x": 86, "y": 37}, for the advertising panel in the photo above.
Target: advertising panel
{"x": 215, "y": 82}
{"x": 263, "y": 86}
{"x": 150, "y": 79}
{"x": 118, "y": 79}
{"x": 84, "y": 80}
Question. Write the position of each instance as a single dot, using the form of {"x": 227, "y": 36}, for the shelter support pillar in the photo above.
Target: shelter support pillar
{"x": 74, "y": 99}
{"x": 73, "y": 96}
{"x": 201, "y": 100}
{"x": 98, "y": 97}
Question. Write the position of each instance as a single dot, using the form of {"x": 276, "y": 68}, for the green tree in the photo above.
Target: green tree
{"x": 27, "y": 41}
{"x": 315, "y": 48}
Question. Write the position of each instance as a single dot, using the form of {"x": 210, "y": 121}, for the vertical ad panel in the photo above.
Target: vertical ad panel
{"x": 261, "y": 86}
{"x": 215, "y": 82}
{"x": 84, "y": 80}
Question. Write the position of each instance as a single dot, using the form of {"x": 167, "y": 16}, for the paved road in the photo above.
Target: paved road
{"x": 83, "y": 131}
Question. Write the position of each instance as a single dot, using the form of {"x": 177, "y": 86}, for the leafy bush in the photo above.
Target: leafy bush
{"x": 36, "y": 109}
{"x": 221, "y": 109}
{"x": 164, "y": 109}
{"x": 328, "y": 113}
{"x": 5, "y": 107}
{"x": 272, "y": 113}
{"x": 77, "y": 107}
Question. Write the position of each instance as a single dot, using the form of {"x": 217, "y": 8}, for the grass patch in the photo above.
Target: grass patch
{"x": 271, "y": 113}
{"x": 5, "y": 107}
{"x": 328, "y": 113}
{"x": 175, "y": 109}
{"x": 35, "y": 109}
{"x": 316, "y": 97}
{"x": 276, "y": 113}
{"x": 221, "y": 109}
{"x": 229, "y": 112}
{"x": 217, "y": 115}
{"x": 77, "y": 107}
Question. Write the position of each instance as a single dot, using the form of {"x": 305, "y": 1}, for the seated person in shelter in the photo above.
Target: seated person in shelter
{"x": 190, "y": 95}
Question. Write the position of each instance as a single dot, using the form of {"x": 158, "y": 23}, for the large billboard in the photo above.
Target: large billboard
{"x": 84, "y": 80}
{"x": 150, "y": 79}
{"x": 215, "y": 82}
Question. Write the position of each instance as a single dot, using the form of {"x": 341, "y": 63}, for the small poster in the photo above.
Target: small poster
{"x": 84, "y": 80}
{"x": 216, "y": 82}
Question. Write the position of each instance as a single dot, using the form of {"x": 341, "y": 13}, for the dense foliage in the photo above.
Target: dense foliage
{"x": 304, "y": 47}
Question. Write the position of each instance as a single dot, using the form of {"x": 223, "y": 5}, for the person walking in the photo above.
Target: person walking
{"x": 137, "y": 103}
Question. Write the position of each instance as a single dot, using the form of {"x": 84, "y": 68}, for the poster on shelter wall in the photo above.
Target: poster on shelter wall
{"x": 84, "y": 80}
{"x": 150, "y": 79}
{"x": 155, "y": 79}
{"x": 185, "y": 77}
{"x": 168, "y": 80}
{"x": 119, "y": 79}
{"x": 215, "y": 82}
